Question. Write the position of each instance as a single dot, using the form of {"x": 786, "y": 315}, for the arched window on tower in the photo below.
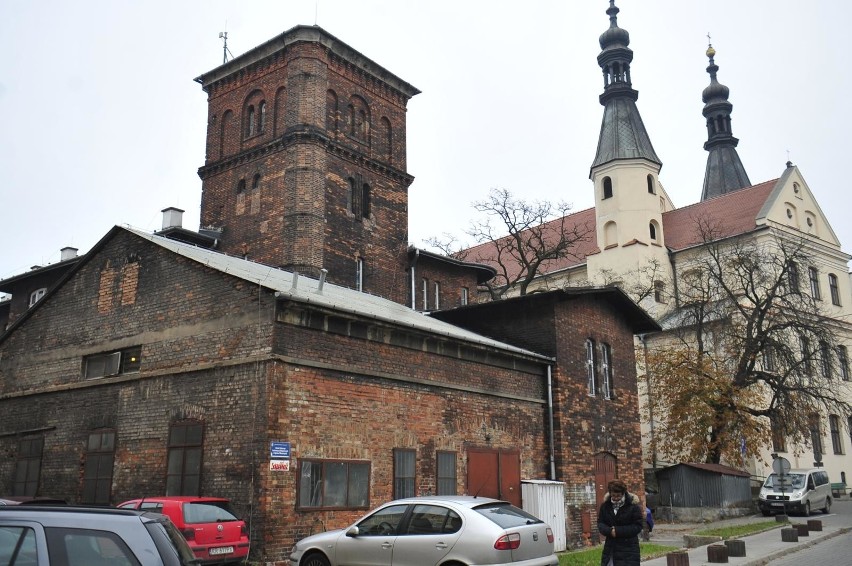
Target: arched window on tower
{"x": 365, "y": 201}
{"x": 241, "y": 186}
{"x": 610, "y": 234}
{"x": 651, "y": 188}
{"x": 607, "y": 188}
{"x": 255, "y": 183}
{"x": 262, "y": 108}
{"x": 250, "y": 122}
{"x": 652, "y": 231}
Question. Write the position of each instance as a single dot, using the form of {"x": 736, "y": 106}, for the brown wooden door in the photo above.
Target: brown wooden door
{"x": 494, "y": 473}
{"x": 605, "y": 469}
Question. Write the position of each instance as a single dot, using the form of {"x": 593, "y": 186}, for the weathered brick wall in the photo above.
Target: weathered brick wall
{"x": 587, "y": 425}
{"x": 299, "y": 216}
{"x": 452, "y": 279}
{"x": 331, "y": 414}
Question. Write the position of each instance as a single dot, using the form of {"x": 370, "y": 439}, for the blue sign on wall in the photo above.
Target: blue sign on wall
{"x": 279, "y": 450}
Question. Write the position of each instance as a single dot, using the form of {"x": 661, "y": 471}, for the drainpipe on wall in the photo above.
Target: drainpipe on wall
{"x": 650, "y": 404}
{"x": 550, "y": 423}
{"x": 413, "y": 279}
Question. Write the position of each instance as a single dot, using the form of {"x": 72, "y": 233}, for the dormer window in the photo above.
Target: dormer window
{"x": 36, "y": 295}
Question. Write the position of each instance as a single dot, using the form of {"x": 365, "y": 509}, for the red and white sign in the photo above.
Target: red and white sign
{"x": 279, "y": 465}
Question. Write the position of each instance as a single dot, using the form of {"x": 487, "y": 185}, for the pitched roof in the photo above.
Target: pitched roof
{"x": 582, "y": 221}
{"x": 304, "y": 289}
{"x": 732, "y": 214}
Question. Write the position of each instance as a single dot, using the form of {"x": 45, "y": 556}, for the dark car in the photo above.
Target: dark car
{"x": 214, "y": 532}
{"x": 41, "y": 535}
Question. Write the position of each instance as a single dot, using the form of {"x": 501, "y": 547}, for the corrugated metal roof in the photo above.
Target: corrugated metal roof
{"x": 306, "y": 290}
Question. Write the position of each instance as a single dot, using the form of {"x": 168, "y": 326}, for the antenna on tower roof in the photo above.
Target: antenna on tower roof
{"x": 223, "y": 35}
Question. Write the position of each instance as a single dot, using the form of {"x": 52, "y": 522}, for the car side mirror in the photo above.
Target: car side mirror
{"x": 352, "y": 532}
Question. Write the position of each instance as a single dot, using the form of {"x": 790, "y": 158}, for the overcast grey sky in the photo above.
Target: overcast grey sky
{"x": 102, "y": 123}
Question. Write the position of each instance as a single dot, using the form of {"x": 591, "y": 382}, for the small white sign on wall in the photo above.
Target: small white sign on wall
{"x": 279, "y": 465}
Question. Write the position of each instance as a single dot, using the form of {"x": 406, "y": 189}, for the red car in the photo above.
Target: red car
{"x": 211, "y": 528}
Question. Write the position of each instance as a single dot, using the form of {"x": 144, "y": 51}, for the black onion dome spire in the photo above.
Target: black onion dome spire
{"x": 725, "y": 172}
{"x": 623, "y": 135}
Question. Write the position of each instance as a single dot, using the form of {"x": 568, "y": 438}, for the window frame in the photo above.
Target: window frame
{"x": 322, "y": 481}
{"x": 437, "y": 288}
{"x": 836, "y": 440}
{"x": 28, "y": 460}
{"x": 37, "y": 295}
{"x": 606, "y": 187}
{"x": 591, "y": 377}
{"x": 813, "y": 279}
{"x": 443, "y": 480}
{"x": 100, "y": 459}
{"x": 843, "y": 362}
{"x": 793, "y": 277}
{"x": 404, "y": 473}
{"x": 465, "y": 296}
{"x": 606, "y": 369}
{"x": 182, "y": 449}
{"x": 834, "y": 289}
{"x": 815, "y": 429}
{"x": 112, "y": 363}
{"x": 359, "y": 273}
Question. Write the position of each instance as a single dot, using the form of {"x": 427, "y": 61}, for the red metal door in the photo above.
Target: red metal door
{"x": 605, "y": 470}
{"x": 494, "y": 473}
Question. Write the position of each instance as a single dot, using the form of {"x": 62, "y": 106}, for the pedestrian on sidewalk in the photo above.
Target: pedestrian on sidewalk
{"x": 648, "y": 526}
{"x": 620, "y": 520}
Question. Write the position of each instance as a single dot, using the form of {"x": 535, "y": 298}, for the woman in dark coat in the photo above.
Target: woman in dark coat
{"x": 620, "y": 520}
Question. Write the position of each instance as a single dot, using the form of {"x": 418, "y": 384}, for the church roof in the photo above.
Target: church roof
{"x": 732, "y": 214}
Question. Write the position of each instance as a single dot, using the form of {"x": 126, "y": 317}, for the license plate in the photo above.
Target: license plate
{"x": 778, "y": 505}
{"x": 221, "y": 550}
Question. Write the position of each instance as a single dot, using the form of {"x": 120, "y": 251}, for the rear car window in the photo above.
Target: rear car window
{"x": 506, "y": 515}
{"x": 208, "y": 512}
{"x": 17, "y": 546}
{"x": 88, "y": 547}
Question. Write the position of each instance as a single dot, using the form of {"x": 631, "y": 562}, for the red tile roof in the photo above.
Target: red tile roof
{"x": 730, "y": 214}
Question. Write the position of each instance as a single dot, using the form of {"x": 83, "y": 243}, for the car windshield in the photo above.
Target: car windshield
{"x": 506, "y": 515}
{"x": 208, "y": 512}
{"x": 797, "y": 481}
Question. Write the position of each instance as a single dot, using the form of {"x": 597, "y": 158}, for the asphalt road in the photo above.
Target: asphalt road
{"x": 834, "y": 551}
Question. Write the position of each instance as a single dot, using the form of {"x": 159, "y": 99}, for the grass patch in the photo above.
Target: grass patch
{"x": 734, "y": 531}
{"x": 592, "y": 556}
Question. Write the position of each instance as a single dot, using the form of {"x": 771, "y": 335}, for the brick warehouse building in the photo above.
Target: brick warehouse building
{"x": 156, "y": 364}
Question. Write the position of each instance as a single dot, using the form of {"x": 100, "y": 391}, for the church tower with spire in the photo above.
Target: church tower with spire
{"x": 629, "y": 201}
{"x": 725, "y": 172}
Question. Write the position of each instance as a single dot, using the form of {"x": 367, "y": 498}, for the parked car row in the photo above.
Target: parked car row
{"x": 174, "y": 531}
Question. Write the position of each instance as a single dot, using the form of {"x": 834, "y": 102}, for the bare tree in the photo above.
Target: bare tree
{"x": 750, "y": 357}
{"x": 517, "y": 238}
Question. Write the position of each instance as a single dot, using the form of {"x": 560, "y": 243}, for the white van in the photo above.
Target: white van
{"x": 806, "y": 489}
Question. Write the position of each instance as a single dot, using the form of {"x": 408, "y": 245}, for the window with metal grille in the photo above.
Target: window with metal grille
{"x": 591, "y": 382}
{"x": 183, "y": 474}
{"x": 97, "y": 473}
{"x": 446, "y": 479}
{"x": 333, "y": 484}
{"x": 793, "y": 276}
{"x": 403, "y": 472}
{"x": 606, "y": 368}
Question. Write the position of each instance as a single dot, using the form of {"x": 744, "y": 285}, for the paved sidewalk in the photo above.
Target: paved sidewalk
{"x": 760, "y": 547}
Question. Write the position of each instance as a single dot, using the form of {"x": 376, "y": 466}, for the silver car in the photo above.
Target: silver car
{"x": 424, "y": 531}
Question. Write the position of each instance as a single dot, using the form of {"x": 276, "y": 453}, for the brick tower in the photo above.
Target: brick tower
{"x": 306, "y": 161}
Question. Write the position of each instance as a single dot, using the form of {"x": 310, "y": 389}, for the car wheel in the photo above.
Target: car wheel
{"x": 315, "y": 559}
{"x": 827, "y": 507}
{"x": 807, "y": 508}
